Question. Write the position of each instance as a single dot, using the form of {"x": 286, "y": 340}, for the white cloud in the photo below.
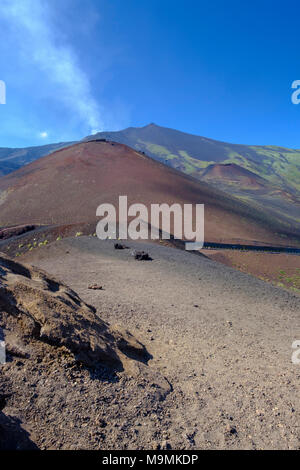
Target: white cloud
{"x": 31, "y": 20}
{"x": 43, "y": 135}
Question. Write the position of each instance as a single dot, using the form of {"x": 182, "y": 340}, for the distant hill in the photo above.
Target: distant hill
{"x": 274, "y": 184}
{"x": 13, "y": 158}
{"x": 191, "y": 154}
{"x": 68, "y": 185}
{"x": 233, "y": 174}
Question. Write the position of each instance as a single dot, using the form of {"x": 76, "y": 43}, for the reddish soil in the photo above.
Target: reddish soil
{"x": 67, "y": 186}
{"x": 280, "y": 269}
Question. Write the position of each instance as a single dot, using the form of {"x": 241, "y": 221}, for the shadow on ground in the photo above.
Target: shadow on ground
{"x": 13, "y": 436}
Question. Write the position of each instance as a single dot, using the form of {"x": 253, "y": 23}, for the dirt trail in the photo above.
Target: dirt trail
{"x": 222, "y": 338}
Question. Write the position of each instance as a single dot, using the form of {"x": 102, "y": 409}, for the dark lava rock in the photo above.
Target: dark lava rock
{"x": 141, "y": 256}
{"x": 120, "y": 246}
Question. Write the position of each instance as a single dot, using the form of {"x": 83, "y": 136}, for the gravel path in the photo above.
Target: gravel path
{"x": 222, "y": 338}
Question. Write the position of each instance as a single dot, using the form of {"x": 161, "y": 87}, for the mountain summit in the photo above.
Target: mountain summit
{"x": 67, "y": 187}
{"x": 272, "y": 183}
{"x": 194, "y": 155}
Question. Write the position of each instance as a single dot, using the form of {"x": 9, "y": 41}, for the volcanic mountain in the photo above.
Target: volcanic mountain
{"x": 67, "y": 186}
{"x": 193, "y": 154}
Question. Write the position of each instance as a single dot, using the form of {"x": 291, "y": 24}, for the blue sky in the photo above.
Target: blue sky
{"x": 221, "y": 69}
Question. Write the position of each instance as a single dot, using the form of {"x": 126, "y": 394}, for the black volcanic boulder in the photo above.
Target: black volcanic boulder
{"x": 120, "y": 246}
{"x": 141, "y": 255}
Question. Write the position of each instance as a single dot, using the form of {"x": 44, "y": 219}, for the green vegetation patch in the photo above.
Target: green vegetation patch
{"x": 291, "y": 280}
